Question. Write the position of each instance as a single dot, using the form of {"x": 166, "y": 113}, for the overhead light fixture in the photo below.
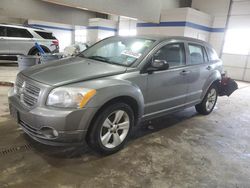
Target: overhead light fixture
{"x": 82, "y": 8}
{"x": 129, "y": 18}
{"x": 64, "y": 4}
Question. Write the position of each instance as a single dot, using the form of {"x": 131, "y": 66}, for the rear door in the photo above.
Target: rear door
{"x": 3, "y": 41}
{"x": 20, "y": 40}
{"x": 198, "y": 69}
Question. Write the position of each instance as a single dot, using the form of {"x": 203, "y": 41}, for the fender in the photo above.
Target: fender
{"x": 213, "y": 77}
{"x": 108, "y": 89}
{"x": 117, "y": 88}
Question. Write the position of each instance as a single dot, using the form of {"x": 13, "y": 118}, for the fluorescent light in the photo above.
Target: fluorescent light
{"x": 82, "y": 8}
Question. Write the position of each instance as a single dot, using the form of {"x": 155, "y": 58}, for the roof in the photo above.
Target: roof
{"x": 22, "y": 26}
{"x": 162, "y": 38}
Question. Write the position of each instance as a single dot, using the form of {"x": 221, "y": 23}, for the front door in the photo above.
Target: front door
{"x": 167, "y": 89}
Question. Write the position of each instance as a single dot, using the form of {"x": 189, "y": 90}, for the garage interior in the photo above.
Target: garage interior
{"x": 182, "y": 149}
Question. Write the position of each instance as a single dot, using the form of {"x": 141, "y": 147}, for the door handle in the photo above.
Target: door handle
{"x": 209, "y": 67}
{"x": 184, "y": 72}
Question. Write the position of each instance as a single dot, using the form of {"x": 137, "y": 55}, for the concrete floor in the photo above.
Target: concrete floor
{"x": 8, "y": 71}
{"x": 180, "y": 150}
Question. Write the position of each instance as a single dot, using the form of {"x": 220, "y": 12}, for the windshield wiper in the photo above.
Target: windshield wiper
{"x": 81, "y": 55}
{"x": 103, "y": 59}
{"x": 99, "y": 58}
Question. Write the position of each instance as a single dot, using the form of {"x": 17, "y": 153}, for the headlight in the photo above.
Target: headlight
{"x": 70, "y": 97}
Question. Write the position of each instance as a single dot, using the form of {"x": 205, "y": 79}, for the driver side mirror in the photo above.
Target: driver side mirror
{"x": 157, "y": 65}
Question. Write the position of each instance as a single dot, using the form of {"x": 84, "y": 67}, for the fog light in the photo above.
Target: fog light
{"x": 49, "y": 132}
{"x": 55, "y": 133}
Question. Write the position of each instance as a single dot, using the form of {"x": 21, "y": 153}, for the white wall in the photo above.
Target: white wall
{"x": 199, "y": 18}
{"x": 180, "y": 16}
{"x": 39, "y": 10}
{"x": 219, "y": 11}
{"x": 63, "y": 32}
{"x": 127, "y": 27}
{"x": 238, "y": 66}
{"x": 5, "y": 19}
{"x": 149, "y": 10}
{"x": 81, "y": 34}
{"x": 212, "y": 7}
{"x": 99, "y": 29}
{"x": 62, "y": 19}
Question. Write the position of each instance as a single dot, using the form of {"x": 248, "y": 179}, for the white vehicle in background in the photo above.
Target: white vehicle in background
{"x": 20, "y": 40}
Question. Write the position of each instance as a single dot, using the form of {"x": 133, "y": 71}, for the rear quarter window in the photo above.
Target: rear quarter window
{"x": 212, "y": 54}
{"x": 45, "y": 35}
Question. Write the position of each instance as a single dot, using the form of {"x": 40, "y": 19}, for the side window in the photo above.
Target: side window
{"x": 17, "y": 32}
{"x": 196, "y": 54}
{"x": 212, "y": 54}
{"x": 174, "y": 54}
{"x": 46, "y": 35}
{"x": 2, "y": 31}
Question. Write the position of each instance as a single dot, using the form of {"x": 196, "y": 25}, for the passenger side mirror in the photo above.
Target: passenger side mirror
{"x": 157, "y": 65}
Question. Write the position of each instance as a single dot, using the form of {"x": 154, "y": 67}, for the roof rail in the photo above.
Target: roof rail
{"x": 31, "y": 26}
{"x": 23, "y": 25}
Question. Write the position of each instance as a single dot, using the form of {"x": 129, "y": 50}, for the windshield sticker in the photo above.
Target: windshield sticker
{"x": 131, "y": 54}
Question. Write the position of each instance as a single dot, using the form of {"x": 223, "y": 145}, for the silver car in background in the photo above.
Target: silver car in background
{"x": 100, "y": 95}
{"x": 20, "y": 40}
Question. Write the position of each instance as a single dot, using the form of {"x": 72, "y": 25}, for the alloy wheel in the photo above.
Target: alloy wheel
{"x": 115, "y": 129}
{"x": 211, "y": 99}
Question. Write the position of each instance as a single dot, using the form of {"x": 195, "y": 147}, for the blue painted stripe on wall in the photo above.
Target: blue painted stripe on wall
{"x": 102, "y": 28}
{"x": 181, "y": 24}
{"x": 69, "y": 29}
{"x": 51, "y": 27}
{"x": 162, "y": 24}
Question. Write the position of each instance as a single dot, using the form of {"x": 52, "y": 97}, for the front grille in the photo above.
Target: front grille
{"x": 27, "y": 92}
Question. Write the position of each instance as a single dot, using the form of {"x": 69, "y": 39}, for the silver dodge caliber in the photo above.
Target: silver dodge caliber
{"x": 98, "y": 96}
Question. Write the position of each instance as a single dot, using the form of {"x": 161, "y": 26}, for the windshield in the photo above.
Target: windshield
{"x": 121, "y": 51}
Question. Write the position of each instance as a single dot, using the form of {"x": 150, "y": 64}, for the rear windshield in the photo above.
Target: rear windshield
{"x": 45, "y": 35}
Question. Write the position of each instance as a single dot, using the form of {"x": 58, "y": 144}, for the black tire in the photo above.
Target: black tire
{"x": 36, "y": 52}
{"x": 202, "y": 107}
{"x": 96, "y": 130}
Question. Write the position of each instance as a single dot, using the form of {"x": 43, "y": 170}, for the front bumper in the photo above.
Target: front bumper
{"x": 70, "y": 126}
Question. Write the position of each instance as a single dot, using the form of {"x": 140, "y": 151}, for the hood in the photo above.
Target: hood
{"x": 71, "y": 70}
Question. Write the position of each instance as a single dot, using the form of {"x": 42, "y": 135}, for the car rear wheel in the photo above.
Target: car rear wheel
{"x": 37, "y": 53}
{"x": 208, "y": 103}
{"x": 111, "y": 129}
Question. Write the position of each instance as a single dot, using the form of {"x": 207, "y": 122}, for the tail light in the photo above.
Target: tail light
{"x": 55, "y": 42}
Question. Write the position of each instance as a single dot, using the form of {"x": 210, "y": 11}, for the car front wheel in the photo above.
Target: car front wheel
{"x": 111, "y": 128}
{"x": 208, "y": 103}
